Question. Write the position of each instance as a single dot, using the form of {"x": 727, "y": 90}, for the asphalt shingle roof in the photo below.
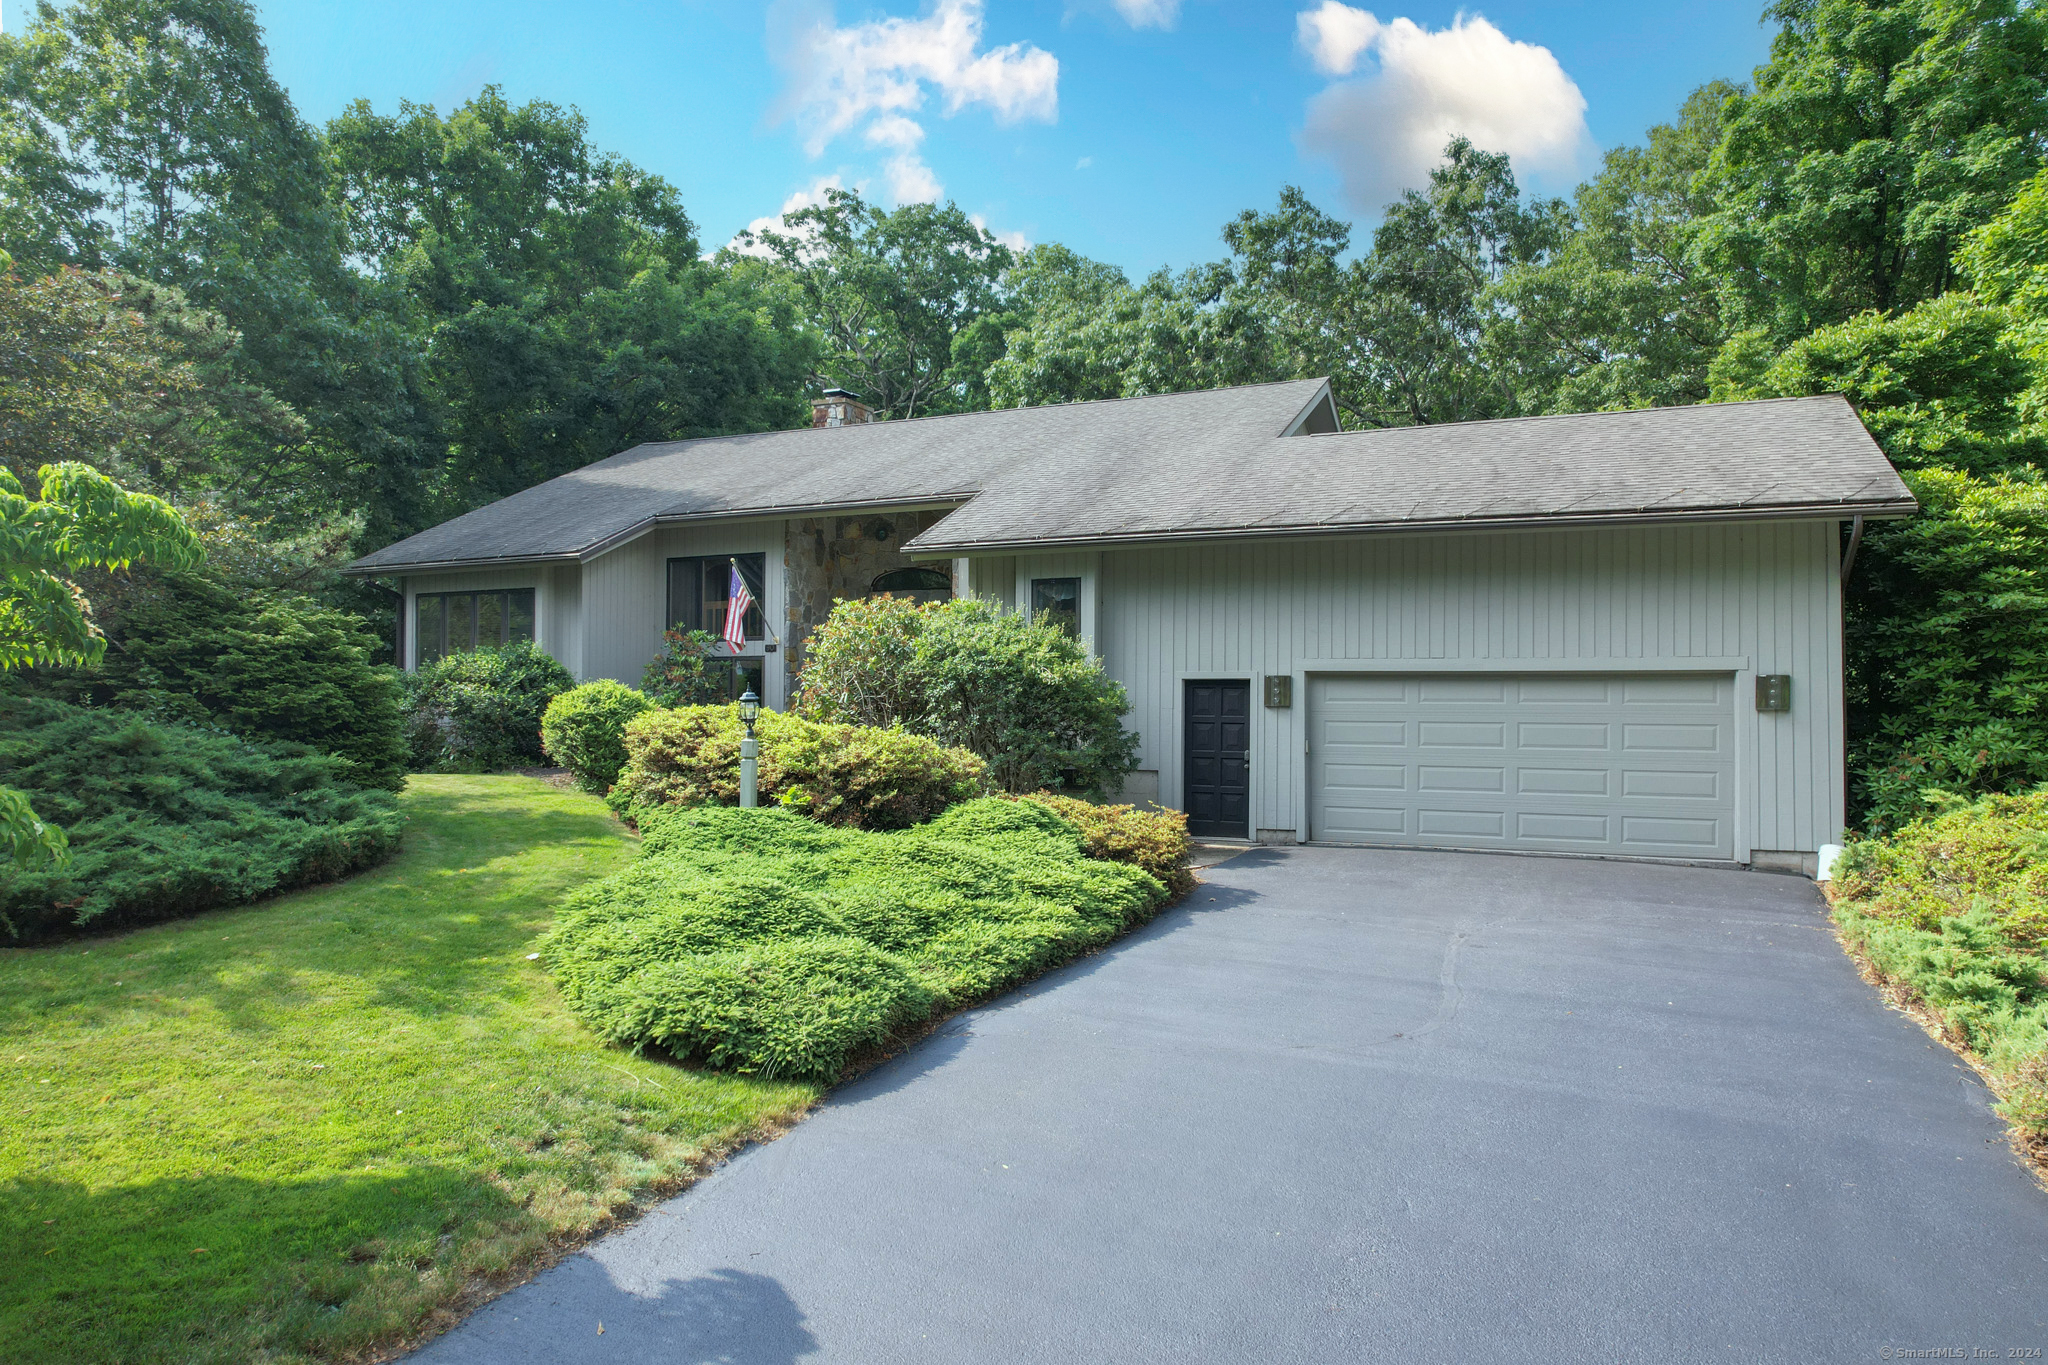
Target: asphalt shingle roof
{"x": 1199, "y": 464}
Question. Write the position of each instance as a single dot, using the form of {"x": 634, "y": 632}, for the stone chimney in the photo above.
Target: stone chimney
{"x": 838, "y": 408}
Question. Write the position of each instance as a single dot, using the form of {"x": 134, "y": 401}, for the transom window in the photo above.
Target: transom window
{"x": 1058, "y": 600}
{"x": 700, "y": 589}
{"x": 457, "y": 622}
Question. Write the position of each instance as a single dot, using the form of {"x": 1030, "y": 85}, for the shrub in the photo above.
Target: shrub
{"x": 584, "y": 730}
{"x": 768, "y": 943}
{"x": 1155, "y": 840}
{"x": 480, "y": 711}
{"x": 1953, "y": 909}
{"x": 679, "y": 676}
{"x": 839, "y": 774}
{"x": 189, "y": 648}
{"x": 166, "y": 820}
{"x": 1022, "y": 694}
{"x": 1947, "y": 623}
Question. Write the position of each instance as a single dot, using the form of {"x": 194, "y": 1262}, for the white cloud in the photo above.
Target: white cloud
{"x": 1084, "y": 163}
{"x": 841, "y": 76}
{"x": 800, "y": 199}
{"x": 1148, "y": 13}
{"x": 1387, "y": 128}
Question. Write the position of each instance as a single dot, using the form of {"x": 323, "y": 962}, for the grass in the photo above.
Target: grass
{"x": 305, "y": 1128}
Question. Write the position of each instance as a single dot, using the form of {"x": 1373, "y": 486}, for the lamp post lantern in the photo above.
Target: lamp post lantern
{"x": 750, "y": 752}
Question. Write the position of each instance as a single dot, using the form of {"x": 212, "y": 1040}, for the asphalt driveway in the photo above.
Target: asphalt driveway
{"x": 1352, "y": 1105}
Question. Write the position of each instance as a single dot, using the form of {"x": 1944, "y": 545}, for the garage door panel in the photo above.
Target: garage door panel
{"x": 1552, "y": 735}
{"x": 1621, "y": 764}
{"x": 1432, "y": 777}
{"x": 1346, "y": 777}
{"x": 1590, "y": 691}
{"x": 1698, "y": 739}
{"x": 1483, "y": 824}
{"x": 1576, "y": 829}
{"x": 1703, "y": 785}
{"x": 1458, "y": 691}
{"x": 1461, "y": 734}
{"x": 1563, "y": 781}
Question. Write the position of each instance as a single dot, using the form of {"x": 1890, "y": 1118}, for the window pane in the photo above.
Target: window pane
{"x": 431, "y": 618}
{"x": 717, "y": 591}
{"x": 754, "y": 568}
{"x": 1058, "y": 600}
{"x": 490, "y": 619}
{"x": 519, "y": 614}
{"x": 685, "y": 598}
{"x": 461, "y": 622}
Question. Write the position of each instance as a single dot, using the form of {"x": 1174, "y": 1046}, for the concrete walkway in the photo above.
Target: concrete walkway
{"x": 1355, "y": 1105}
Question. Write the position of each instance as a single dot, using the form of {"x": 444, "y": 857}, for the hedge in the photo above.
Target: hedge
{"x": 479, "y": 711}
{"x": 167, "y": 820}
{"x": 767, "y": 943}
{"x": 1155, "y": 840}
{"x": 859, "y": 776}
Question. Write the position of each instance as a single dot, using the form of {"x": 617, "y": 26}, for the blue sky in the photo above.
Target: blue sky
{"x": 1128, "y": 129}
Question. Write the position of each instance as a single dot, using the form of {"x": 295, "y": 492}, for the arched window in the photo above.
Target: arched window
{"x": 918, "y": 579}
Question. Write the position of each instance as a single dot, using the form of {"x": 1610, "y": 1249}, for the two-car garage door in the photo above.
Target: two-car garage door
{"x": 1635, "y": 764}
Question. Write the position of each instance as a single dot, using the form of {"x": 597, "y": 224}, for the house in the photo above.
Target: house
{"x": 1611, "y": 633}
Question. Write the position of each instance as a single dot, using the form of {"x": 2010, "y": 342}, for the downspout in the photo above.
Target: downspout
{"x": 1849, "y": 555}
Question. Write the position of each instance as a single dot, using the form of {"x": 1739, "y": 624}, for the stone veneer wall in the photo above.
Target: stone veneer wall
{"x": 829, "y": 558}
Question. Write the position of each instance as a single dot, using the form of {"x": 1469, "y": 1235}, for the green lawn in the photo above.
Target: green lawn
{"x": 300, "y": 1128}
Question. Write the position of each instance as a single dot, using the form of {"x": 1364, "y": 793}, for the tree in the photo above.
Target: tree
{"x": 149, "y": 135}
{"x": 80, "y": 520}
{"x": 1878, "y": 135}
{"x": 1625, "y": 315}
{"x": 894, "y": 298}
{"x": 554, "y": 295}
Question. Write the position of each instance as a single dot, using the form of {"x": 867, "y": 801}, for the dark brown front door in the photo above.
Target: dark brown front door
{"x": 1217, "y": 759}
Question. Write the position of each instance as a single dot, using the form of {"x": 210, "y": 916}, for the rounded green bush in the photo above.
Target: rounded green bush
{"x": 584, "y": 730}
{"x": 479, "y": 712}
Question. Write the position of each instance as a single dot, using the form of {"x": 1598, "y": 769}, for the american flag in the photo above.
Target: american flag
{"x": 737, "y": 603}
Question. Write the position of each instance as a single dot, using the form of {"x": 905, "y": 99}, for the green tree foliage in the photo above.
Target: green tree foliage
{"x": 584, "y": 730}
{"x": 1947, "y": 622}
{"x": 275, "y": 666}
{"x": 480, "y": 711}
{"x": 166, "y": 820}
{"x": 1022, "y": 694}
{"x": 554, "y": 294}
{"x": 172, "y": 154}
{"x": 894, "y": 298}
{"x": 1877, "y": 136}
{"x": 1625, "y": 314}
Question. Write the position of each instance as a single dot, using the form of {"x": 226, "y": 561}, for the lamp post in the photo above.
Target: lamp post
{"x": 750, "y": 752}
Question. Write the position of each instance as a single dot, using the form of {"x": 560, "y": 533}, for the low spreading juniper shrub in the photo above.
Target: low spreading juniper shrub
{"x": 584, "y": 730}
{"x": 767, "y": 943}
{"x": 864, "y": 777}
{"x": 168, "y": 820}
{"x": 1155, "y": 840}
{"x": 1954, "y": 910}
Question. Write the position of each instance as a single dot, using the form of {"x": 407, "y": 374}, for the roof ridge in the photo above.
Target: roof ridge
{"x": 979, "y": 412}
{"x": 1582, "y": 416}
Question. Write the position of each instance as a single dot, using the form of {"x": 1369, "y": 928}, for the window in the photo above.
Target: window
{"x": 1057, "y": 600}
{"x": 457, "y": 622}
{"x": 698, "y": 590}
{"x": 923, "y": 578}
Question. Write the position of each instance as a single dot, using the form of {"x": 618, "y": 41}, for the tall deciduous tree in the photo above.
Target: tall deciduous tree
{"x": 554, "y": 293}
{"x": 1878, "y": 135}
{"x": 894, "y": 297}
